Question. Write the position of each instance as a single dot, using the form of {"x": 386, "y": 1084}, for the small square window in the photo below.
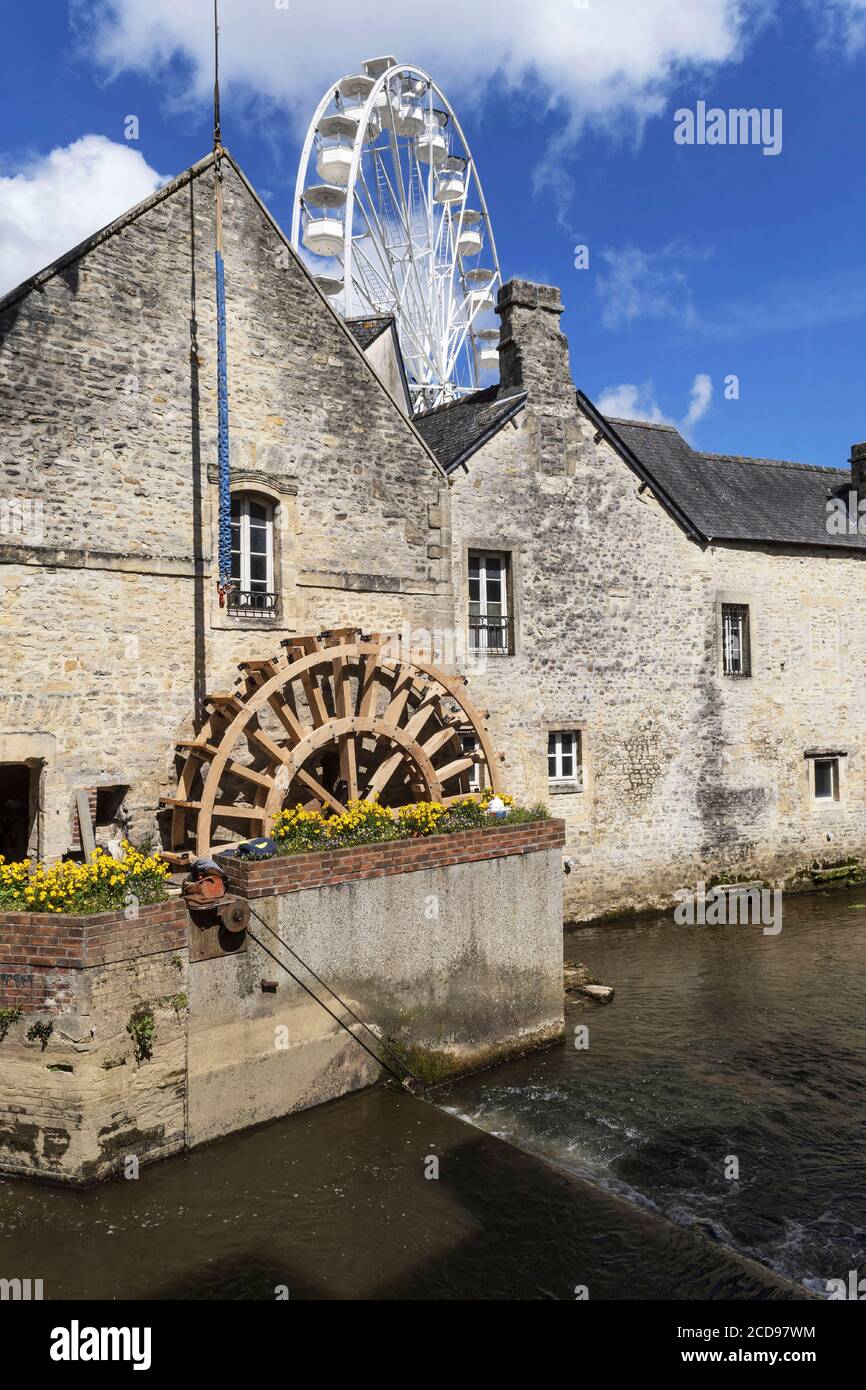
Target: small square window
{"x": 826, "y": 779}
{"x": 563, "y": 758}
{"x": 736, "y": 642}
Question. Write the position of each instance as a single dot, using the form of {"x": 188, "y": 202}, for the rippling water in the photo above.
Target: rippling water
{"x": 720, "y": 1042}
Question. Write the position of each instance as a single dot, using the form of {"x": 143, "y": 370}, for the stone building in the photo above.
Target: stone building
{"x": 665, "y": 639}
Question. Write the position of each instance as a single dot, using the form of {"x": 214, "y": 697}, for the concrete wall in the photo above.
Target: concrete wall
{"x": 452, "y": 946}
{"x": 687, "y": 773}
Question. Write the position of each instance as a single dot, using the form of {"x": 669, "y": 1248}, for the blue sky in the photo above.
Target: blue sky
{"x": 704, "y": 261}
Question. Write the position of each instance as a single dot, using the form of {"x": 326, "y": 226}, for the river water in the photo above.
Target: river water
{"x": 721, "y": 1042}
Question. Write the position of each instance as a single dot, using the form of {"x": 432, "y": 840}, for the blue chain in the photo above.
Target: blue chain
{"x": 225, "y": 500}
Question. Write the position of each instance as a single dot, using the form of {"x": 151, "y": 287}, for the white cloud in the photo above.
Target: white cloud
{"x": 699, "y": 402}
{"x": 630, "y": 402}
{"x": 53, "y": 202}
{"x": 611, "y": 59}
{"x": 642, "y": 284}
{"x": 843, "y": 21}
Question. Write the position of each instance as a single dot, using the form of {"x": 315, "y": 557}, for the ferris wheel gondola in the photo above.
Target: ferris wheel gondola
{"x": 390, "y": 216}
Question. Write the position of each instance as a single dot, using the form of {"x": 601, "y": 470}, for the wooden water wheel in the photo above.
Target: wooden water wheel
{"x": 330, "y": 719}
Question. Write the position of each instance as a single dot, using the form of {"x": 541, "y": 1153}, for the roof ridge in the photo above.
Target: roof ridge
{"x": 460, "y": 400}
{"x": 644, "y": 424}
{"x": 768, "y": 463}
{"x": 41, "y": 277}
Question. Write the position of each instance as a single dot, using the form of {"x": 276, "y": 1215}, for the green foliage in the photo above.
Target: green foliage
{"x": 178, "y": 1002}
{"x": 7, "y": 1018}
{"x": 142, "y": 1030}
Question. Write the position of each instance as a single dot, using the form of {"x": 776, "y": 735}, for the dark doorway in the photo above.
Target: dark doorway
{"x": 15, "y": 810}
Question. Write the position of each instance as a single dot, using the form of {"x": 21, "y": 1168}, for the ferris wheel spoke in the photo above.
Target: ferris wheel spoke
{"x": 366, "y": 276}
{"x": 399, "y": 183}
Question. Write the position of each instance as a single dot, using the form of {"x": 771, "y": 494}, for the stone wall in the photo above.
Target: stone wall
{"x": 107, "y": 587}
{"x": 687, "y": 774}
{"x": 76, "y": 1105}
{"x": 452, "y": 947}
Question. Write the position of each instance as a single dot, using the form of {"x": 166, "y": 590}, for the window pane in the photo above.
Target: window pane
{"x": 824, "y": 790}
{"x": 258, "y": 512}
{"x": 259, "y": 568}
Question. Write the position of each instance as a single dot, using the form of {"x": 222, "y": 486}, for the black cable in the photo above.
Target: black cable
{"x": 378, "y": 1060}
{"x": 343, "y": 1005}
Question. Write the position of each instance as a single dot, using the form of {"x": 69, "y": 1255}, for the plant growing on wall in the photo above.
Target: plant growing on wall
{"x": 142, "y": 1030}
{"x": 7, "y": 1018}
{"x": 40, "y": 1032}
{"x": 178, "y": 1002}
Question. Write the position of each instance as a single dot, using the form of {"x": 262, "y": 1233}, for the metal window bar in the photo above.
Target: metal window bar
{"x": 256, "y": 601}
{"x": 495, "y": 636}
{"x": 736, "y": 646}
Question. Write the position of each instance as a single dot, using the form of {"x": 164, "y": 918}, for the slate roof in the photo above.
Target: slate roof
{"x": 456, "y": 430}
{"x": 728, "y": 497}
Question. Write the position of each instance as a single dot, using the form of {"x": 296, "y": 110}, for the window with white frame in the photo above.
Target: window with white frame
{"x": 491, "y": 627}
{"x": 826, "y": 779}
{"x": 563, "y": 758}
{"x": 736, "y": 644}
{"x": 252, "y": 572}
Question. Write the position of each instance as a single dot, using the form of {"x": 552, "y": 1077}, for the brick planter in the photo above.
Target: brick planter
{"x": 38, "y": 948}
{"x": 294, "y": 872}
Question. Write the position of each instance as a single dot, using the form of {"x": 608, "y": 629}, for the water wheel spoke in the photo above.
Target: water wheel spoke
{"x": 440, "y": 739}
{"x": 453, "y": 769}
{"x": 343, "y": 707}
{"x": 400, "y": 693}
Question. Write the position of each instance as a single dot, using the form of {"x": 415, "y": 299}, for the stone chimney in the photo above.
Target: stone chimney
{"x": 533, "y": 353}
{"x": 858, "y": 468}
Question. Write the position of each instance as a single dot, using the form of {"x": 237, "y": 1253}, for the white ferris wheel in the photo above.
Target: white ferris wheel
{"x": 391, "y": 216}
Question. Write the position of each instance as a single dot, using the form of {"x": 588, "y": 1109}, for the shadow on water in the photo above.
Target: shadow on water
{"x": 334, "y": 1204}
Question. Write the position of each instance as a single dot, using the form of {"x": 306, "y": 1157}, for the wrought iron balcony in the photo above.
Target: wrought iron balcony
{"x": 493, "y": 636}
{"x": 252, "y": 603}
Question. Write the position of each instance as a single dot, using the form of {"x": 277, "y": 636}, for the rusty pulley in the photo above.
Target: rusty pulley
{"x": 234, "y": 914}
